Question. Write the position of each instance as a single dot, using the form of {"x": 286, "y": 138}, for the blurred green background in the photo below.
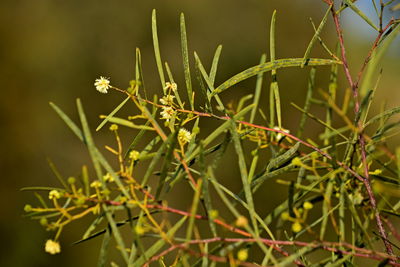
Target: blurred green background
{"x": 54, "y": 50}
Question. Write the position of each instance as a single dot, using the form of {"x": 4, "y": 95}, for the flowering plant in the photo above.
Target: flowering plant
{"x": 330, "y": 187}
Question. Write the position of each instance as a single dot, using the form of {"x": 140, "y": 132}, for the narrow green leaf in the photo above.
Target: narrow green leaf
{"x": 68, "y": 121}
{"x": 154, "y": 161}
{"x": 157, "y": 49}
{"x": 277, "y": 64}
{"x": 185, "y": 56}
{"x": 102, "y": 261}
{"x": 129, "y": 124}
{"x": 139, "y": 73}
{"x": 208, "y": 82}
{"x": 325, "y": 207}
{"x": 361, "y": 14}
{"x": 206, "y": 192}
{"x": 244, "y": 174}
{"x": 203, "y": 89}
{"x": 193, "y": 210}
{"x": 57, "y": 174}
{"x": 315, "y": 37}
{"x": 90, "y": 142}
{"x": 85, "y": 180}
{"x": 116, "y": 233}
{"x": 257, "y": 91}
{"x": 384, "y": 115}
{"x": 40, "y": 188}
{"x": 377, "y": 55}
{"x": 282, "y": 159}
{"x": 307, "y": 104}
{"x": 214, "y": 66}
{"x": 112, "y": 113}
{"x": 171, "y": 144}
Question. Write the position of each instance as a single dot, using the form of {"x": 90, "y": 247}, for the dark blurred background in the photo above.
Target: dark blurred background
{"x": 54, "y": 50}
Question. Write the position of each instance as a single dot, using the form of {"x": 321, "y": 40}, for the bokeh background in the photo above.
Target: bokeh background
{"x": 54, "y": 50}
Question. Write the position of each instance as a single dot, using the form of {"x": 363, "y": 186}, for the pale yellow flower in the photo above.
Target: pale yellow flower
{"x": 95, "y": 184}
{"x": 54, "y": 194}
{"x": 113, "y": 127}
{"x": 184, "y": 136}
{"x": 52, "y": 247}
{"x": 242, "y": 254}
{"x": 167, "y": 113}
{"x": 296, "y": 227}
{"x": 172, "y": 86}
{"x": 102, "y": 84}
{"x": 134, "y": 155}
{"x": 308, "y": 205}
{"x": 108, "y": 178}
{"x": 167, "y": 100}
{"x": 241, "y": 221}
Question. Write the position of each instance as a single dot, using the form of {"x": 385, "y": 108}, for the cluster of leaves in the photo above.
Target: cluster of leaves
{"x": 331, "y": 178}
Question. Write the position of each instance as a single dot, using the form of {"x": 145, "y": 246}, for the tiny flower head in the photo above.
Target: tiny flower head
{"x": 28, "y": 208}
{"x": 95, "y": 184}
{"x": 134, "y": 155}
{"x": 297, "y": 161}
{"x": 285, "y": 216}
{"x": 308, "y": 205}
{"x": 54, "y": 194}
{"x": 242, "y": 254}
{"x": 213, "y": 214}
{"x": 52, "y": 247}
{"x": 167, "y": 100}
{"x": 167, "y": 113}
{"x": 184, "y": 136}
{"x": 102, "y": 84}
{"x": 172, "y": 86}
{"x": 113, "y": 127}
{"x": 241, "y": 221}
{"x": 296, "y": 227}
{"x": 108, "y": 177}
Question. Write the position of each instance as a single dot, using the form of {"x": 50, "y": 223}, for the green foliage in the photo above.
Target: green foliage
{"x": 348, "y": 177}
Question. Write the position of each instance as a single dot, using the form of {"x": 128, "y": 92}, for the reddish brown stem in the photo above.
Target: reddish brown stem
{"x": 354, "y": 87}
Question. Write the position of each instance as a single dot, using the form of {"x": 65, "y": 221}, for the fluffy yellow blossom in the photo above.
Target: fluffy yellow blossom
{"x": 242, "y": 254}
{"x": 102, "y": 84}
{"x": 184, "y": 136}
{"x": 52, "y": 247}
{"x": 296, "y": 227}
{"x": 108, "y": 178}
{"x": 285, "y": 216}
{"x": 95, "y": 184}
{"x": 213, "y": 214}
{"x": 113, "y": 127}
{"x": 241, "y": 221}
{"x": 134, "y": 155}
{"x": 167, "y": 113}
{"x": 54, "y": 194}
{"x": 167, "y": 100}
{"x": 297, "y": 161}
{"x": 172, "y": 86}
{"x": 308, "y": 205}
